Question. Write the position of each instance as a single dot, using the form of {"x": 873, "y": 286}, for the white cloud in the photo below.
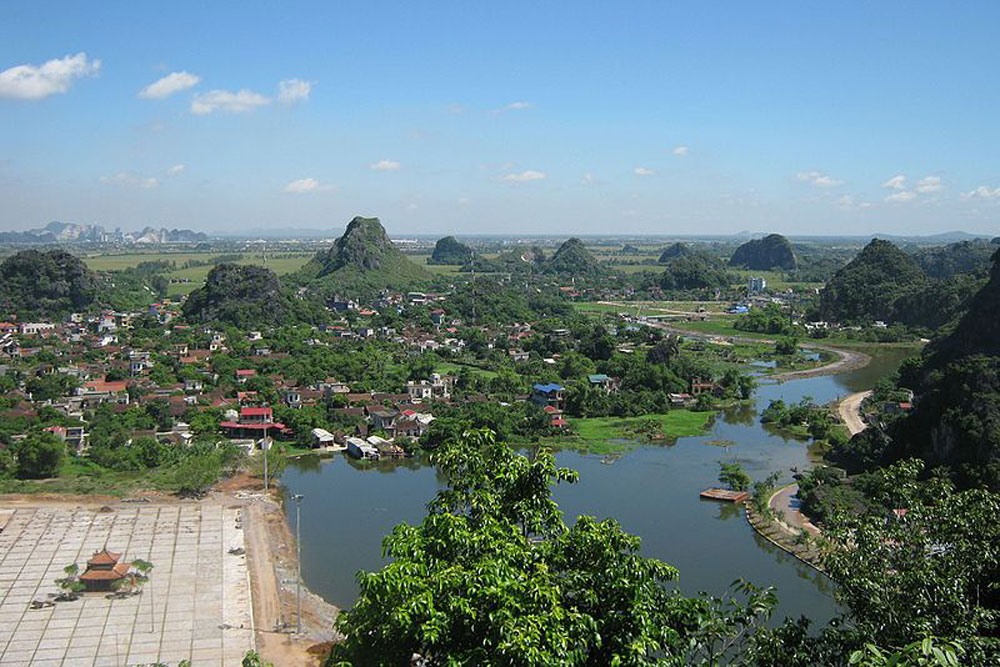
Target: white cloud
{"x": 588, "y": 179}
{"x": 643, "y": 171}
{"x": 680, "y": 151}
{"x": 168, "y": 85}
{"x": 849, "y": 203}
{"x": 982, "y": 192}
{"x": 525, "y": 176}
{"x": 227, "y": 101}
{"x": 817, "y": 178}
{"x": 929, "y": 184}
{"x": 902, "y": 196}
{"x": 176, "y": 170}
{"x": 895, "y": 183}
{"x": 124, "y": 179}
{"x": 291, "y": 91}
{"x": 518, "y": 106}
{"x": 305, "y": 185}
{"x": 34, "y": 82}
{"x": 385, "y": 165}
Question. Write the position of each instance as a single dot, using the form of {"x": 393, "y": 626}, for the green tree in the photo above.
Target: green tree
{"x": 39, "y": 455}
{"x": 733, "y": 476}
{"x": 925, "y": 652}
{"x": 196, "y": 473}
{"x": 70, "y": 583}
{"x": 929, "y": 571}
{"x": 493, "y": 575}
{"x": 253, "y": 659}
{"x": 50, "y": 387}
{"x": 786, "y": 346}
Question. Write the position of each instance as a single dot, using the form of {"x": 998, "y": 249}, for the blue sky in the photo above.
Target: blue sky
{"x": 538, "y": 117}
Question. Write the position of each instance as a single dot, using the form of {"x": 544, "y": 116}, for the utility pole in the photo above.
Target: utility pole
{"x": 298, "y": 559}
{"x": 264, "y": 448}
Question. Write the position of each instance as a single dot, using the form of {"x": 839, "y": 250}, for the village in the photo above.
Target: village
{"x": 204, "y": 382}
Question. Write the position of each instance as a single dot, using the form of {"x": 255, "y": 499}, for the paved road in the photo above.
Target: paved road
{"x": 785, "y": 504}
{"x": 850, "y": 412}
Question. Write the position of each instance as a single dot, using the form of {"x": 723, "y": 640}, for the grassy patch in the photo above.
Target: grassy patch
{"x": 451, "y": 368}
{"x": 598, "y": 432}
{"x": 437, "y": 269}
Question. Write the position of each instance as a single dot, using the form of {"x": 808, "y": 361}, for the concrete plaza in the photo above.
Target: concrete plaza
{"x": 196, "y": 605}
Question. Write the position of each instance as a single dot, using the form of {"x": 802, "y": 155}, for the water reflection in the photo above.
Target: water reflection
{"x": 651, "y": 490}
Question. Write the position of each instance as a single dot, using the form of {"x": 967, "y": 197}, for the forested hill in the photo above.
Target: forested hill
{"x": 36, "y": 285}
{"x": 450, "y": 250}
{"x": 244, "y": 296}
{"x": 978, "y": 332}
{"x": 363, "y": 260}
{"x": 869, "y": 286}
{"x": 573, "y": 259}
{"x": 693, "y": 270}
{"x": 956, "y": 421}
{"x": 771, "y": 252}
{"x": 955, "y": 258}
{"x": 673, "y": 251}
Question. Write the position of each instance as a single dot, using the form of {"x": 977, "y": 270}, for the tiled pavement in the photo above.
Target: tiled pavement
{"x": 195, "y": 606}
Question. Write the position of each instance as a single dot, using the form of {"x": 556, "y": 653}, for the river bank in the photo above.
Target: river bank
{"x": 783, "y": 524}
{"x": 272, "y": 565}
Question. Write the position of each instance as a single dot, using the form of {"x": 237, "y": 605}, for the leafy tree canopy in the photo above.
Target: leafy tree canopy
{"x": 493, "y": 575}
{"x": 868, "y": 287}
{"x": 450, "y": 250}
{"x": 771, "y": 252}
{"x": 36, "y": 284}
{"x": 243, "y": 296}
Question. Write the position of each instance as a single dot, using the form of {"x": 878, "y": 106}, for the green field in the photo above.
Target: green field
{"x": 421, "y": 261}
{"x": 286, "y": 263}
{"x": 652, "y": 307}
{"x": 776, "y": 279}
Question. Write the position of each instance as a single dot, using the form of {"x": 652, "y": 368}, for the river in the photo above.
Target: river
{"x": 652, "y": 490}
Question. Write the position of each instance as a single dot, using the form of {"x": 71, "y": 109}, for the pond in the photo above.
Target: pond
{"x": 652, "y": 490}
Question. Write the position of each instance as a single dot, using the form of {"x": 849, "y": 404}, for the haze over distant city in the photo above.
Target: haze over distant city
{"x": 446, "y": 117}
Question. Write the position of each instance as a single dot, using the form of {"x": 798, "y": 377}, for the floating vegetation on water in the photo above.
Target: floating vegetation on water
{"x": 720, "y": 443}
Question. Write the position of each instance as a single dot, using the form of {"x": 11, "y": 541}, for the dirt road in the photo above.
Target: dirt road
{"x": 850, "y": 412}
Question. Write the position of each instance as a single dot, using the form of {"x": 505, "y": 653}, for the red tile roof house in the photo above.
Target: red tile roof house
{"x": 245, "y": 374}
{"x": 103, "y": 570}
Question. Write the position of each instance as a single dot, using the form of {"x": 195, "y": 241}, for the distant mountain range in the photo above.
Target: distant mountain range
{"x": 69, "y": 232}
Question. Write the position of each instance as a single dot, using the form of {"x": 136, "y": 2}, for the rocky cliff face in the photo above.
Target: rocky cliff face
{"x": 244, "y": 296}
{"x": 362, "y": 260}
{"x": 70, "y": 232}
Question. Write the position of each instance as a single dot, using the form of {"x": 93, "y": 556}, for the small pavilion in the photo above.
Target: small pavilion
{"x": 103, "y": 570}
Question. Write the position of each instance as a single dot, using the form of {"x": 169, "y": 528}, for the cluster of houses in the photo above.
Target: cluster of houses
{"x": 112, "y": 367}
